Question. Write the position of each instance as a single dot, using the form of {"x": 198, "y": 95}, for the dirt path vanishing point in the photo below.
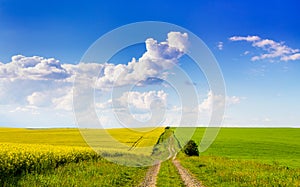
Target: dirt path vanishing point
{"x": 151, "y": 176}
{"x": 186, "y": 177}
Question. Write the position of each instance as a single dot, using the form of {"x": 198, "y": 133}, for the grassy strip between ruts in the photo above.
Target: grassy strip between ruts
{"x": 168, "y": 175}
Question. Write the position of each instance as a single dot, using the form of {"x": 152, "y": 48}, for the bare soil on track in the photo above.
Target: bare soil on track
{"x": 188, "y": 179}
{"x": 151, "y": 176}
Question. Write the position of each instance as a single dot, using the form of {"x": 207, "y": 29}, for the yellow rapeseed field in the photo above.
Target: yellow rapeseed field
{"x": 33, "y": 150}
{"x": 23, "y": 158}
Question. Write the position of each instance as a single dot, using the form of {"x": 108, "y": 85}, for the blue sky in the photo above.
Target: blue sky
{"x": 263, "y": 74}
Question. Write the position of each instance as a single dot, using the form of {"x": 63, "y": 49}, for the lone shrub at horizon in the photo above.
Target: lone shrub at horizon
{"x": 191, "y": 148}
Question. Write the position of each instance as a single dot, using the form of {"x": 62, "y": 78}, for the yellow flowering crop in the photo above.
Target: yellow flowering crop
{"x": 23, "y": 158}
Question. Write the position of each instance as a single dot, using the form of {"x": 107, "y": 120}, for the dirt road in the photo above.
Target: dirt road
{"x": 186, "y": 177}
{"x": 151, "y": 176}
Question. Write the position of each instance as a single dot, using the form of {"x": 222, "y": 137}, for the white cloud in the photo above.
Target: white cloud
{"x": 232, "y": 100}
{"x": 30, "y": 109}
{"x": 134, "y": 109}
{"x": 265, "y": 42}
{"x": 217, "y": 101}
{"x": 32, "y": 68}
{"x": 272, "y": 50}
{"x": 60, "y": 99}
{"x": 133, "y": 105}
{"x": 88, "y": 70}
{"x": 244, "y": 38}
{"x": 38, "y": 99}
{"x": 246, "y": 52}
{"x": 142, "y": 100}
{"x": 178, "y": 41}
{"x": 155, "y": 62}
{"x": 158, "y": 58}
{"x": 39, "y": 85}
{"x": 30, "y": 84}
{"x": 64, "y": 102}
{"x": 220, "y": 45}
{"x": 33, "y": 82}
{"x": 26, "y": 79}
{"x": 291, "y": 57}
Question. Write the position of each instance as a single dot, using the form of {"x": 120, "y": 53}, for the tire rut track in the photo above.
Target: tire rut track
{"x": 151, "y": 176}
{"x": 135, "y": 143}
{"x": 186, "y": 177}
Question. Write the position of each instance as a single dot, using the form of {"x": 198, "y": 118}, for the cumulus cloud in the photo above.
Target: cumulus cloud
{"x": 272, "y": 50}
{"x": 142, "y": 100}
{"x": 154, "y": 63}
{"x": 217, "y": 101}
{"x": 59, "y": 98}
{"x": 64, "y": 102}
{"x": 32, "y": 68}
{"x": 45, "y": 82}
{"x": 134, "y": 108}
{"x": 38, "y": 99}
{"x": 34, "y": 82}
{"x": 39, "y": 84}
{"x": 179, "y": 41}
{"x": 158, "y": 58}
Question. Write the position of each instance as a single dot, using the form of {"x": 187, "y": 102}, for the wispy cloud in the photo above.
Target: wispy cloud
{"x": 272, "y": 50}
{"x": 246, "y": 52}
{"x": 291, "y": 57}
{"x": 244, "y": 38}
{"x": 220, "y": 45}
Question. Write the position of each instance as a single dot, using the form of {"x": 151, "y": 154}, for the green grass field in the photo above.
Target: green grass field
{"x": 87, "y": 173}
{"x": 221, "y": 171}
{"x": 248, "y": 157}
{"x": 267, "y": 145}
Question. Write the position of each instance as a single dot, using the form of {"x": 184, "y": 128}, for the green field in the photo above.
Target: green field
{"x": 221, "y": 171}
{"x": 61, "y": 157}
{"x": 268, "y": 145}
{"x": 248, "y": 157}
{"x": 87, "y": 173}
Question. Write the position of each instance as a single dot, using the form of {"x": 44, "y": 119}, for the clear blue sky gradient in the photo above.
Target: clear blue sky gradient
{"x": 269, "y": 91}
